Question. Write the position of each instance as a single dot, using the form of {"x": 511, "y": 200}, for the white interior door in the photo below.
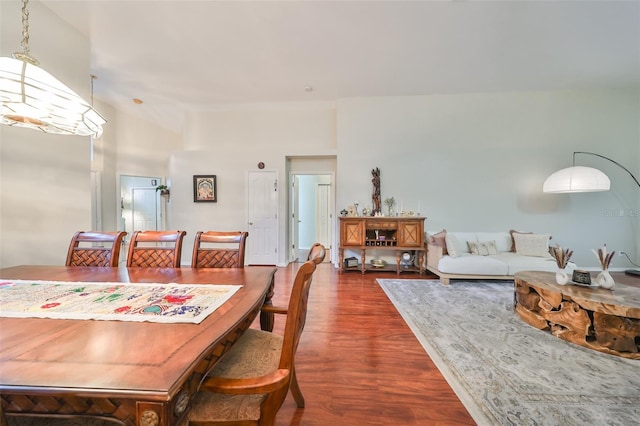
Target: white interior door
{"x": 140, "y": 205}
{"x": 262, "y": 208}
{"x": 144, "y": 209}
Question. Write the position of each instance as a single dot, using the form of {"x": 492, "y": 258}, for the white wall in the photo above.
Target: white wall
{"x": 105, "y": 162}
{"x": 45, "y": 191}
{"x": 478, "y": 161}
{"x": 46, "y": 179}
{"x": 228, "y": 144}
{"x": 143, "y": 148}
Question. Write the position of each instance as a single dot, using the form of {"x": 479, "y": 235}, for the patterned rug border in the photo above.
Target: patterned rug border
{"x": 608, "y": 387}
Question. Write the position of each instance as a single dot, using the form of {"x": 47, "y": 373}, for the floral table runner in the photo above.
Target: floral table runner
{"x": 167, "y": 303}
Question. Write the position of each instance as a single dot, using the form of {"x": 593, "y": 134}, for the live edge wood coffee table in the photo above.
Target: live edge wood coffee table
{"x": 596, "y": 318}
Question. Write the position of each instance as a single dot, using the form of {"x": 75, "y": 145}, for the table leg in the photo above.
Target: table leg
{"x": 267, "y": 318}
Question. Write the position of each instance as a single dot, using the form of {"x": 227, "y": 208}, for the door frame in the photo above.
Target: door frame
{"x": 160, "y": 206}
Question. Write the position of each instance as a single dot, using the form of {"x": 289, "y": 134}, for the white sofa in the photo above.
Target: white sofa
{"x": 488, "y": 255}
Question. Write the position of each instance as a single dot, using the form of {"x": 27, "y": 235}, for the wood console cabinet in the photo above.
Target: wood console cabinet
{"x": 397, "y": 234}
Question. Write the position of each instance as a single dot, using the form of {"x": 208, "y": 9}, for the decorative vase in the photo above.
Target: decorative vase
{"x": 561, "y": 277}
{"x": 605, "y": 280}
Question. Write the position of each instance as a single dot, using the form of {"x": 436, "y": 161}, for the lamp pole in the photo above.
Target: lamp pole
{"x": 606, "y": 158}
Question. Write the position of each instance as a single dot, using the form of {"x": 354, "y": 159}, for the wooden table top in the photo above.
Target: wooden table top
{"x": 139, "y": 360}
{"x": 623, "y": 299}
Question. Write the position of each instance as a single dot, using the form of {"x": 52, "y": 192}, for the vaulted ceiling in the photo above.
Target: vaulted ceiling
{"x": 183, "y": 55}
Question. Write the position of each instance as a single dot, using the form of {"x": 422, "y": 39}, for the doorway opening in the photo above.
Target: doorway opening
{"x": 311, "y": 204}
{"x": 141, "y": 209}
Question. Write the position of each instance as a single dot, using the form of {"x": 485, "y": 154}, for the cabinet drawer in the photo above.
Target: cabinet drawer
{"x": 374, "y": 224}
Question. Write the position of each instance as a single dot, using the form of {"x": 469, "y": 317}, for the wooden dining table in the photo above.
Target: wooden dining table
{"x": 140, "y": 373}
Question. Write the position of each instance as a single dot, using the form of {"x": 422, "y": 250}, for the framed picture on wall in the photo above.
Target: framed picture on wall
{"x": 204, "y": 189}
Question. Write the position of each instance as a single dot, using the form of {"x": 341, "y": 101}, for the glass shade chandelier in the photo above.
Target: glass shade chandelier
{"x": 581, "y": 179}
{"x": 31, "y": 97}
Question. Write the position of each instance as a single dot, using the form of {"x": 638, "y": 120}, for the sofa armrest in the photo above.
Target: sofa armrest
{"x": 434, "y": 254}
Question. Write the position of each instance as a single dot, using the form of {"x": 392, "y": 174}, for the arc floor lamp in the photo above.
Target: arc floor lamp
{"x": 584, "y": 179}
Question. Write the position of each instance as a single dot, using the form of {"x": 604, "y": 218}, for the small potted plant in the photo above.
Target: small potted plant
{"x": 164, "y": 190}
{"x": 390, "y": 202}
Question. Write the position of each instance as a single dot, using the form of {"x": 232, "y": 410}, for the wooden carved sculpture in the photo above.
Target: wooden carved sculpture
{"x": 375, "y": 198}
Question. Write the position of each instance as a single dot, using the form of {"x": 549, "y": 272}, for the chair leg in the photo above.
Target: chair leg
{"x": 295, "y": 390}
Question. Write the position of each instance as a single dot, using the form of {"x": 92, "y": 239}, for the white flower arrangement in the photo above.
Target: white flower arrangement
{"x": 561, "y": 256}
{"x": 390, "y": 202}
{"x": 604, "y": 257}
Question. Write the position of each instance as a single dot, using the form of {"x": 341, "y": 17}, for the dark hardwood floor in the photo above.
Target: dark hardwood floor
{"x": 358, "y": 362}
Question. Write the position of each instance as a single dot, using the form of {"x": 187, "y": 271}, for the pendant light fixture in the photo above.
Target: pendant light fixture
{"x": 31, "y": 97}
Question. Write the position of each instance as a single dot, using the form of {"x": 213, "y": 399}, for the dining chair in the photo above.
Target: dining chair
{"x": 155, "y": 249}
{"x": 250, "y": 382}
{"x": 219, "y": 249}
{"x": 95, "y": 248}
{"x": 317, "y": 253}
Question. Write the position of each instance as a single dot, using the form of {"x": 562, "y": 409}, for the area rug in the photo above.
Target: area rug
{"x": 167, "y": 303}
{"x": 506, "y": 372}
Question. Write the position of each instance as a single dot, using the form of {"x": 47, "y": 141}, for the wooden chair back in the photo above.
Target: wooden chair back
{"x": 256, "y": 373}
{"x": 218, "y": 249}
{"x": 317, "y": 253}
{"x": 296, "y": 319}
{"x": 155, "y": 249}
{"x": 95, "y": 248}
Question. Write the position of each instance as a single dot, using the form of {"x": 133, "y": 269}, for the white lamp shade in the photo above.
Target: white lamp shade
{"x": 31, "y": 97}
{"x": 577, "y": 179}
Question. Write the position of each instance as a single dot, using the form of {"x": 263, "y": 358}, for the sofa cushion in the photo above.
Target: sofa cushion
{"x": 438, "y": 239}
{"x": 482, "y": 248}
{"x": 457, "y": 242}
{"x": 502, "y": 239}
{"x": 469, "y": 264}
{"x": 513, "y": 241}
{"x": 532, "y": 244}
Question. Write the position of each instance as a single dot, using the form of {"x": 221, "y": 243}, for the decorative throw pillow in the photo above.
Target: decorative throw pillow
{"x": 483, "y": 248}
{"x": 532, "y": 244}
{"x": 454, "y": 248}
{"x": 513, "y": 241}
{"x": 439, "y": 240}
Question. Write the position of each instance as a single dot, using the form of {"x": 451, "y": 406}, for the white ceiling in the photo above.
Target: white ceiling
{"x": 183, "y": 55}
